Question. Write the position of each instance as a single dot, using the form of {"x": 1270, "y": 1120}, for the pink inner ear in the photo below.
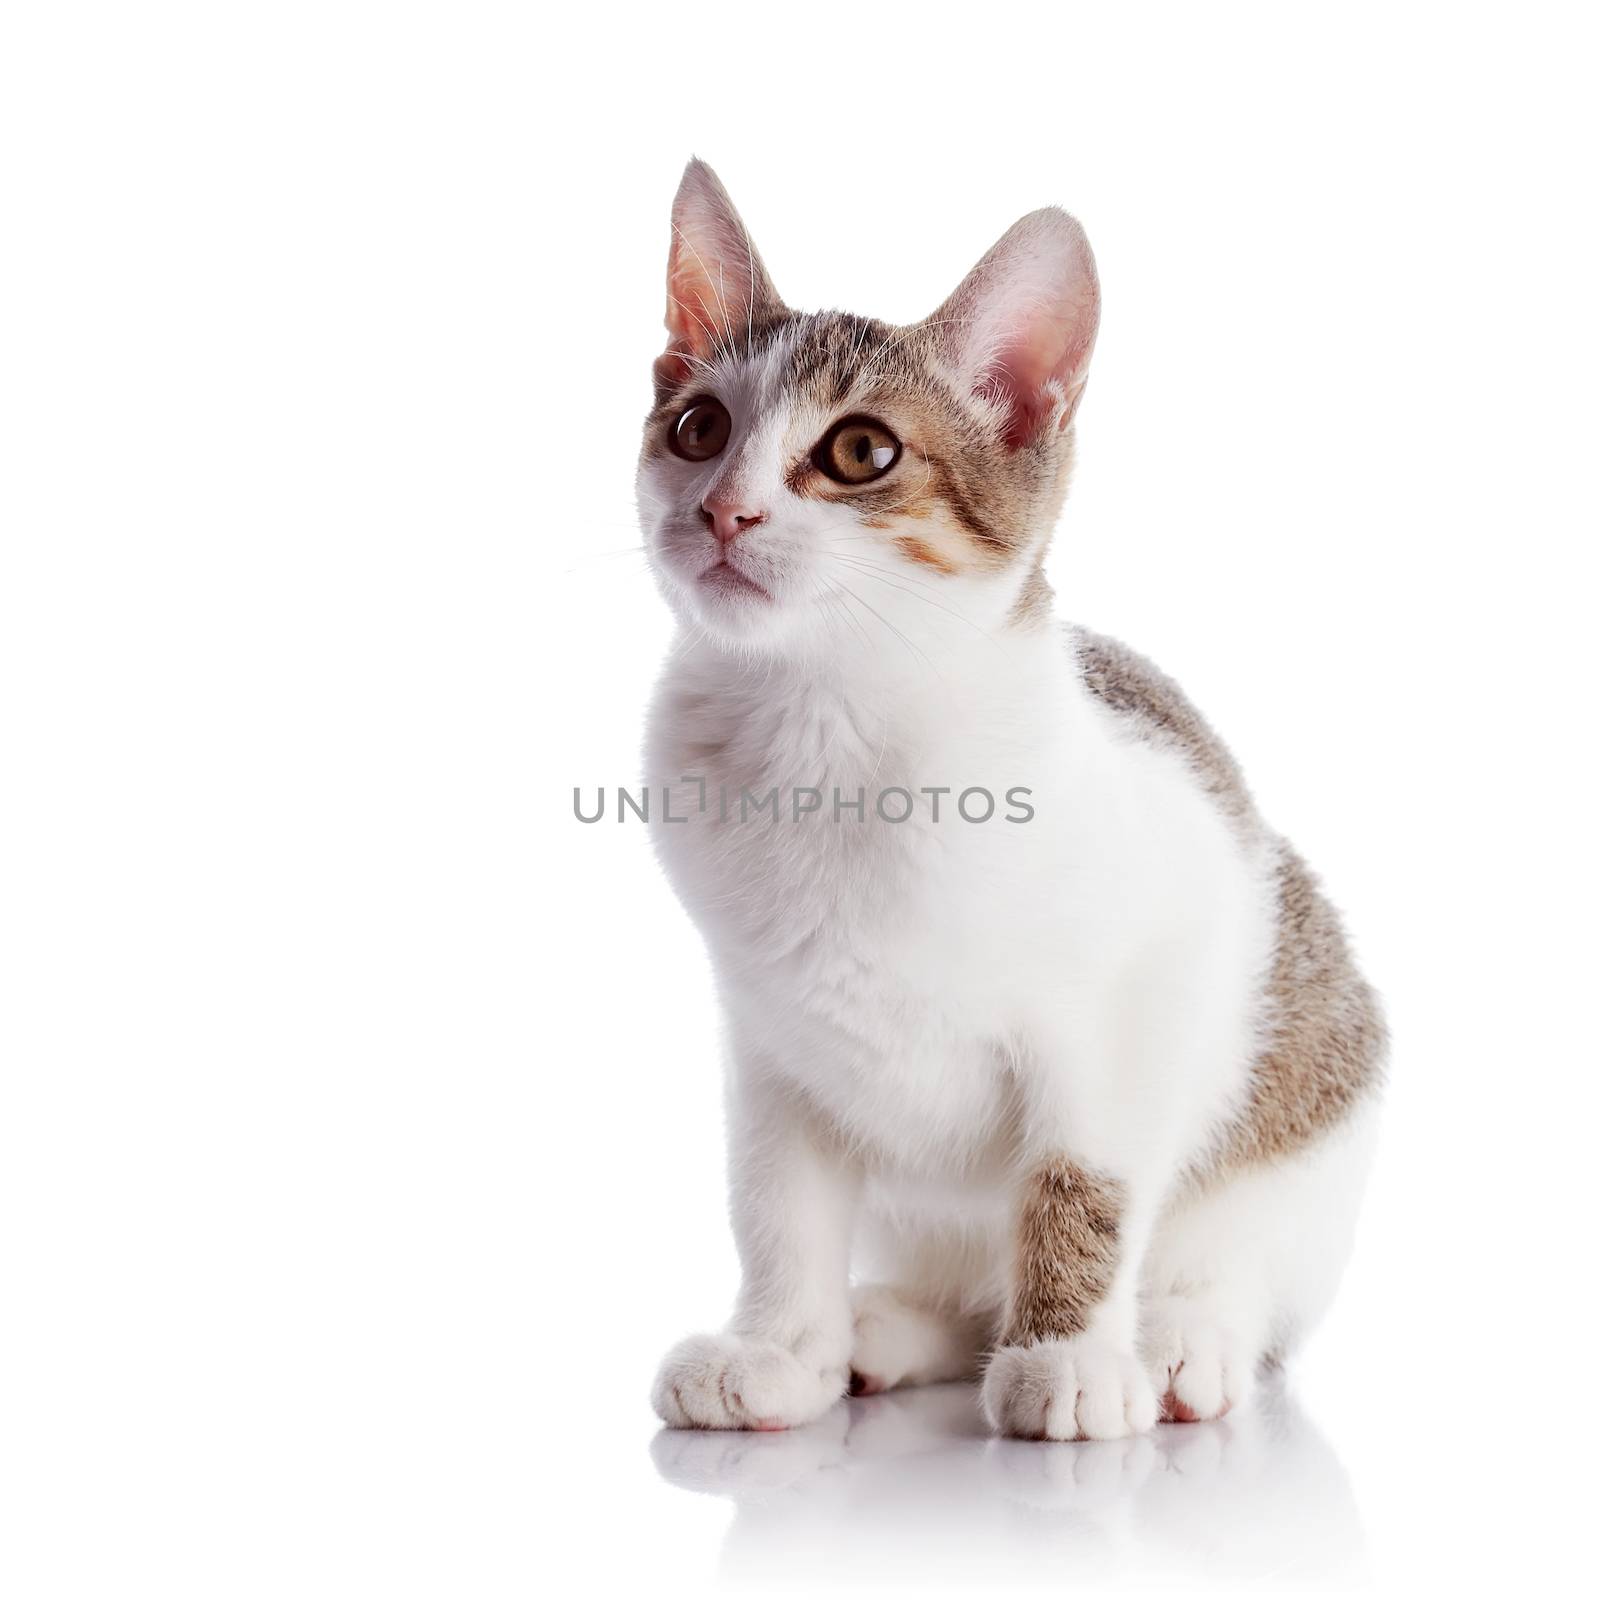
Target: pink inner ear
{"x": 1011, "y": 384}
{"x": 698, "y": 315}
{"x": 1052, "y": 349}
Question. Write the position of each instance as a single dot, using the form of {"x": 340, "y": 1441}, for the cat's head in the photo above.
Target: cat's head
{"x": 809, "y": 478}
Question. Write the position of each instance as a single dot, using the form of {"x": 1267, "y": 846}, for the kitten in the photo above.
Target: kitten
{"x": 1086, "y": 1095}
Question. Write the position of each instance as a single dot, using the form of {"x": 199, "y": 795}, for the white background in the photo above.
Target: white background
{"x": 360, "y": 1147}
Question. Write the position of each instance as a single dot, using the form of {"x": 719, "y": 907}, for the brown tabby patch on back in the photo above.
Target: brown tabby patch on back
{"x": 1326, "y": 1038}
{"x": 1067, "y": 1229}
{"x": 1324, "y": 1032}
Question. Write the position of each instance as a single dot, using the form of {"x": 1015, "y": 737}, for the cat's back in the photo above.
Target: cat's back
{"x": 1323, "y": 1034}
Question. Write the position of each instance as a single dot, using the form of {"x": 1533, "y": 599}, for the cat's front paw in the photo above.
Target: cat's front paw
{"x": 728, "y": 1381}
{"x": 1067, "y": 1389}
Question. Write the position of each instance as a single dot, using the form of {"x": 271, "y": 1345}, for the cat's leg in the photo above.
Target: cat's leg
{"x": 1239, "y": 1270}
{"x": 1067, "y": 1366}
{"x": 784, "y": 1357}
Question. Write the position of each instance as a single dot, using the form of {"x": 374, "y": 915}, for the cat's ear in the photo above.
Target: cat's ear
{"x": 1021, "y": 327}
{"x": 716, "y": 285}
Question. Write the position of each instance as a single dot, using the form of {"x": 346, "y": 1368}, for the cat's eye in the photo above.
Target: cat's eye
{"x": 856, "y": 450}
{"x": 702, "y": 431}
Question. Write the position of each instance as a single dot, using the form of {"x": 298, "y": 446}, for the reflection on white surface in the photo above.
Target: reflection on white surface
{"x": 910, "y": 1485}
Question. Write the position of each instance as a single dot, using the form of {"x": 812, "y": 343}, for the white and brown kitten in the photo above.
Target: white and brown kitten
{"x": 1082, "y": 1091}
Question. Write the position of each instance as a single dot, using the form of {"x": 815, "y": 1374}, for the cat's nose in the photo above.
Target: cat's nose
{"x": 727, "y": 519}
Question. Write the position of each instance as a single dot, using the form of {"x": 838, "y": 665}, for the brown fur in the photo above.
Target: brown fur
{"x": 1068, "y": 1224}
{"x": 919, "y": 550}
{"x": 1325, "y": 1037}
{"x": 1326, "y": 1033}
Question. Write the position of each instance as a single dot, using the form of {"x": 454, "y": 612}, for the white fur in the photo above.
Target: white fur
{"x": 917, "y": 1012}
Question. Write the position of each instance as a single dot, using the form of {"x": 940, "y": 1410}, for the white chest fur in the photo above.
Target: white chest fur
{"x": 906, "y": 974}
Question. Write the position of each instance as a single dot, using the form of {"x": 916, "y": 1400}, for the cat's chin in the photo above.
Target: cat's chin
{"x": 730, "y": 585}
{"x": 733, "y": 608}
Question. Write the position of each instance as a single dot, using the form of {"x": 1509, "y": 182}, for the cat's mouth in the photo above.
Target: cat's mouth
{"x": 727, "y": 579}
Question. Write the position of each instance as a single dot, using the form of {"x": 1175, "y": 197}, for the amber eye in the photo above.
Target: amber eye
{"x": 856, "y": 450}
{"x": 701, "y": 431}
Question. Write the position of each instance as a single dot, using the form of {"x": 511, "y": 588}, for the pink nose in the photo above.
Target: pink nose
{"x": 727, "y": 520}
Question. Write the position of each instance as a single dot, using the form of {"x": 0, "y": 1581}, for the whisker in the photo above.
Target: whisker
{"x": 914, "y": 649}
{"x": 722, "y": 297}
{"x": 871, "y": 572}
{"x": 836, "y": 595}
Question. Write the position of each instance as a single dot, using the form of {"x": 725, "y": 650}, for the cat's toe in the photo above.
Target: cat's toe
{"x": 1199, "y": 1366}
{"x": 1067, "y": 1389}
{"x": 885, "y": 1341}
{"x": 724, "y": 1381}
